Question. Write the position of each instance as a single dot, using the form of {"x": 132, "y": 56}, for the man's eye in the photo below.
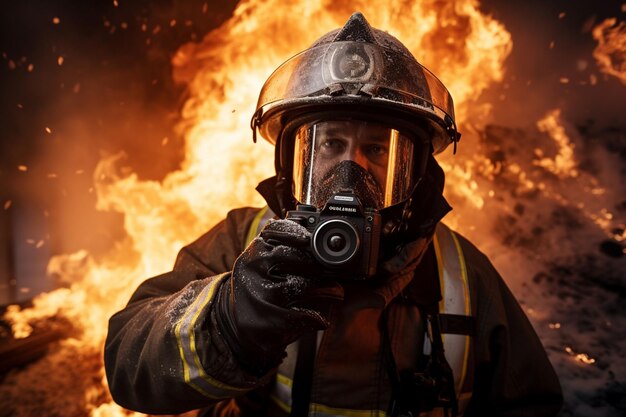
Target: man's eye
{"x": 377, "y": 150}
{"x": 332, "y": 144}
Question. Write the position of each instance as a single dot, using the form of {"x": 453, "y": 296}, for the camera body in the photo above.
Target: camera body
{"x": 345, "y": 237}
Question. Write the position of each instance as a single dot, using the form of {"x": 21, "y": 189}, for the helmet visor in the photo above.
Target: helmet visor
{"x": 357, "y": 67}
{"x": 371, "y": 159}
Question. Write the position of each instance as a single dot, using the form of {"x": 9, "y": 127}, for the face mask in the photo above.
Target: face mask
{"x": 348, "y": 175}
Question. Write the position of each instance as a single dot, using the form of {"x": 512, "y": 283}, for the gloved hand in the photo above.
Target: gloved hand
{"x": 275, "y": 294}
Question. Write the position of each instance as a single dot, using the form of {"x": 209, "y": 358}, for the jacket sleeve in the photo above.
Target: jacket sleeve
{"x": 514, "y": 376}
{"x": 163, "y": 352}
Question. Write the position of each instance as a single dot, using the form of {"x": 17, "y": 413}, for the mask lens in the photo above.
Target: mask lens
{"x": 371, "y": 159}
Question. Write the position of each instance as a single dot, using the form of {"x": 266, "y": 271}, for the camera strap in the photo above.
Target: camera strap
{"x": 303, "y": 375}
{"x": 397, "y": 400}
{"x": 416, "y": 391}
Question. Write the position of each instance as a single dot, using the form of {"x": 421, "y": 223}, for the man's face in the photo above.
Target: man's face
{"x": 365, "y": 144}
{"x": 371, "y": 159}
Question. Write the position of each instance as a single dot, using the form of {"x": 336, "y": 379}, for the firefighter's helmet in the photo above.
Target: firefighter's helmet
{"x": 360, "y": 65}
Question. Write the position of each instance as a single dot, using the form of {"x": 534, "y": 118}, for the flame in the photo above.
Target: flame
{"x": 224, "y": 73}
{"x": 563, "y": 163}
{"x": 580, "y": 357}
{"x": 610, "y": 53}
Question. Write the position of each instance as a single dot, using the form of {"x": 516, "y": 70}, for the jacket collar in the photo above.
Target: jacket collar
{"x": 398, "y": 272}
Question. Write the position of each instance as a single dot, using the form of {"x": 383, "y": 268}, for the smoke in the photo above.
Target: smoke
{"x": 552, "y": 64}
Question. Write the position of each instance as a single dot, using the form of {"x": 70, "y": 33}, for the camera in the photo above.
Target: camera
{"x": 345, "y": 236}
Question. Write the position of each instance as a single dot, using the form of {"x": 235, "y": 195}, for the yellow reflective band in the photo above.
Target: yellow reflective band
{"x": 252, "y": 231}
{"x": 459, "y": 251}
{"x": 468, "y": 306}
{"x": 320, "y": 410}
{"x": 325, "y": 411}
{"x": 454, "y": 283}
{"x": 442, "y": 284}
{"x": 280, "y": 403}
{"x": 282, "y": 392}
{"x": 182, "y": 354}
{"x": 188, "y": 352}
{"x": 284, "y": 380}
{"x": 192, "y": 338}
{"x": 181, "y": 349}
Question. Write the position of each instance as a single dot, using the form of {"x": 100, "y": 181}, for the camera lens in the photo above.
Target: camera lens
{"x": 334, "y": 242}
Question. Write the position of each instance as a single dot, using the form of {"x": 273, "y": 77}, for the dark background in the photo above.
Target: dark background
{"x": 113, "y": 92}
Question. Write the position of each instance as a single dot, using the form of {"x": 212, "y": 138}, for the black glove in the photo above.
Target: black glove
{"x": 275, "y": 294}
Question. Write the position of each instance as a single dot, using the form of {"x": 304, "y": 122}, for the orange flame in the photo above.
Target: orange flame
{"x": 563, "y": 163}
{"x": 580, "y": 357}
{"x": 611, "y": 50}
{"x": 224, "y": 74}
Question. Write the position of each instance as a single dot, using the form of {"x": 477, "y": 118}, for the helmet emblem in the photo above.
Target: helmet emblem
{"x": 349, "y": 62}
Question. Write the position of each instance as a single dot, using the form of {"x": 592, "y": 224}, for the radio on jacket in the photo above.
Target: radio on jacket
{"x": 344, "y": 235}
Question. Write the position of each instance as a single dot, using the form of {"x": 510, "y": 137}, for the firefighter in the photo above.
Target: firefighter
{"x": 386, "y": 313}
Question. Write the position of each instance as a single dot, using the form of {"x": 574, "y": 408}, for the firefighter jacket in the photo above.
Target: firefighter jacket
{"x": 164, "y": 353}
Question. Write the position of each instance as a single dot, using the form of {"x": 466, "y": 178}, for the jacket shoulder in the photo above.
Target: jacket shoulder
{"x": 218, "y": 248}
{"x": 476, "y": 261}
